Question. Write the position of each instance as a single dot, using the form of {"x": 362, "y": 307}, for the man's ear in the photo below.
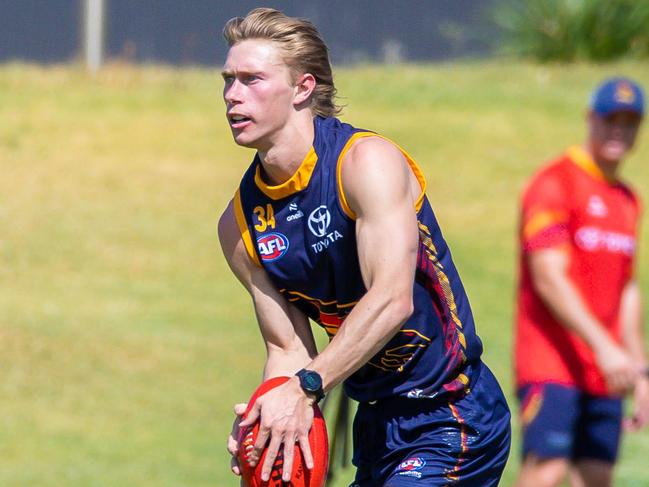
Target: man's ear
{"x": 304, "y": 86}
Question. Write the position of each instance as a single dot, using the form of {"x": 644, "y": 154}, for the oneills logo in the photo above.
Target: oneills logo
{"x": 296, "y": 213}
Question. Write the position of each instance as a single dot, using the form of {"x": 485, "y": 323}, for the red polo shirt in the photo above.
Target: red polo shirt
{"x": 571, "y": 205}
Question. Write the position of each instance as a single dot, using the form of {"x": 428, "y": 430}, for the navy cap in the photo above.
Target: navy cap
{"x": 617, "y": 95}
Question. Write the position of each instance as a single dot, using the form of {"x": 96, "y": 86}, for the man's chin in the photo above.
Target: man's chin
{"x": 614, "y": 152}
{"x": 244, "y": 141}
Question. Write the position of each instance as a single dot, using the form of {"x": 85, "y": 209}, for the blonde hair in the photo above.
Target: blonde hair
{"x": 303, "y": 50}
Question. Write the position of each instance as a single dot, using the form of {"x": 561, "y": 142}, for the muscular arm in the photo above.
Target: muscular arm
{"x": 549, "y": 271}
{"x": 379, "y": 189}
{"x": 285, "y": 330}
{"x": 289, "y": 345}
{"x": 377, "y": 184}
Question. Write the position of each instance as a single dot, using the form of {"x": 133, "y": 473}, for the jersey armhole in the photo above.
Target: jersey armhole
{"x": 243, "y": 229}
{"x": 411, "y": 162}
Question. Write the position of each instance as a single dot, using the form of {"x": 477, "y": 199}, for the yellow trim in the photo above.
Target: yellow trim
{"x": 532, "y": 408}
{"x": 324, "y": 303}
{"x": 584, "y": 160}
{"x": 453, "y": 474}
{"x": 542, "y": 221}
{"x": 297, "y": 182}
{"x": 243, "y": 228}
{"x": 332, "y": 331}
{"x": 423, "y": 337}
{"x": 444, "y": 282}
{"x": 411, "y": 162}
{"x": 418, "y": 174}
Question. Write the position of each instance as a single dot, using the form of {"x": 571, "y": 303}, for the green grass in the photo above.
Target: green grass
{"x": 124, "y": 339}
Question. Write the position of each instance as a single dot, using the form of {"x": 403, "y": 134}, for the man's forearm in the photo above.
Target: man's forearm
{"x": 280, "y": 362}
{"x": 373, "y": 321}
{"x": 631, "y": 317}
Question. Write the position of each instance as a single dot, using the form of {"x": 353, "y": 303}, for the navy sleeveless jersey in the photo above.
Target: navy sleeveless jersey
{"x": 302, "y": 233}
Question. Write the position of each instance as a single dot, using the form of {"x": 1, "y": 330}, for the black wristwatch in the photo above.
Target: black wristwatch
{"x": 311, "y": 383}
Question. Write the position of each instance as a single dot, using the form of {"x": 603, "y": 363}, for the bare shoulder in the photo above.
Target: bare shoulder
{"x": 371, "y": 160}
{"x": 233, "y": 247}
{"x": 374, "y": 173}
{"x": 369, "y": 153}
{"x": 229, "y": 234}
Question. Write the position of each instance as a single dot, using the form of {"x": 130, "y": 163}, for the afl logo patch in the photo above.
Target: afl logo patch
{"x": 272, "y": 246}
{"x": 414, "y": 463}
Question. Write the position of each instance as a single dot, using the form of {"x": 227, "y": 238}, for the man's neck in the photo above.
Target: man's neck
{"x": 609, "y": 168}
{"x": 287, "y": 151}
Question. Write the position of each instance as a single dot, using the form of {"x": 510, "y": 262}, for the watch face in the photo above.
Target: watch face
{"x": 312, "y": 382}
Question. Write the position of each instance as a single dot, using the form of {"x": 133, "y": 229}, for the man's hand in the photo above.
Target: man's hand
{"x": 617, "y": 366}
{"x": 286, "y": 416}
{"x": 233, "y": 439}
{"x": 640, "y": 412}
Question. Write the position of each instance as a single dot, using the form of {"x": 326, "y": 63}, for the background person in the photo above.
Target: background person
{"x": 579, "y": 338}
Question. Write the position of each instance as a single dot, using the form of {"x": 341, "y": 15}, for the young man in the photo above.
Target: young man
{"x": 331, "y": 223}
{"x": 579, "y": 343}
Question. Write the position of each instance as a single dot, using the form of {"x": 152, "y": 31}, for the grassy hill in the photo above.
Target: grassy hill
{"x": 124, "y": 339}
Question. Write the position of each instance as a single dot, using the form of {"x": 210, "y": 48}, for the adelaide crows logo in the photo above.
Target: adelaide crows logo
{"x": 624, "y": 93}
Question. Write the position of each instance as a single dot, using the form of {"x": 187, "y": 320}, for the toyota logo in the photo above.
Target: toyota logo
{"x": 319, "y": 221}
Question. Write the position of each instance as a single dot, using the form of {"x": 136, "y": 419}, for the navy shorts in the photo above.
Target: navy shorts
{"x": 408, "y": 442}
{"x": 563, "y": 422}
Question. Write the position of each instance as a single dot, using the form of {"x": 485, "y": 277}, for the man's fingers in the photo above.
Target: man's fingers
{"x": 632, "y": 424}
{"x": 253, "y": 415}
{"x": 233, "y": 445}
{"x": 621, "y": 381}
{"x": 640, "y": 417}
{"x": 234, "y": 465}
{"x": 303, "y": 440}
{"x": 240, "y": 409}
{"x": 260, "y": 443}
{"x": 289, "y": 450}
{"x": 271, "y": 455}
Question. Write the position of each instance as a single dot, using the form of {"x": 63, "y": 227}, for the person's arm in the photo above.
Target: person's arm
{"x": 285, "y": 330}
{"x": 376, "y": 180}
{"x": 631, "y": 317}
{"x": 549, "y": 272}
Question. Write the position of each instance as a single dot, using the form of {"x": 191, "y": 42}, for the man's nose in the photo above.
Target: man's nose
{"x": 233, "y": 92}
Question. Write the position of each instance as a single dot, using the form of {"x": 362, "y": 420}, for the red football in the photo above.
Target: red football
{"x": 301, "y": 476}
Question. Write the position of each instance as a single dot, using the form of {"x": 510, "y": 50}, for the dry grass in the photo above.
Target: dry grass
{"x": 124, "y": 340}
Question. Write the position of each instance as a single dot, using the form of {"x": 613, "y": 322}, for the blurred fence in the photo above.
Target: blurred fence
{"x": 187, "y": 32}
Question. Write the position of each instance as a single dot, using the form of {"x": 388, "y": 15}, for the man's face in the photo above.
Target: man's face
{"x": 613, "y": 136}
{"x": 258, "y": 92}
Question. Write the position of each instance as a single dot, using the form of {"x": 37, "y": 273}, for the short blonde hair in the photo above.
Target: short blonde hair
{"x": 303, "y": 50}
